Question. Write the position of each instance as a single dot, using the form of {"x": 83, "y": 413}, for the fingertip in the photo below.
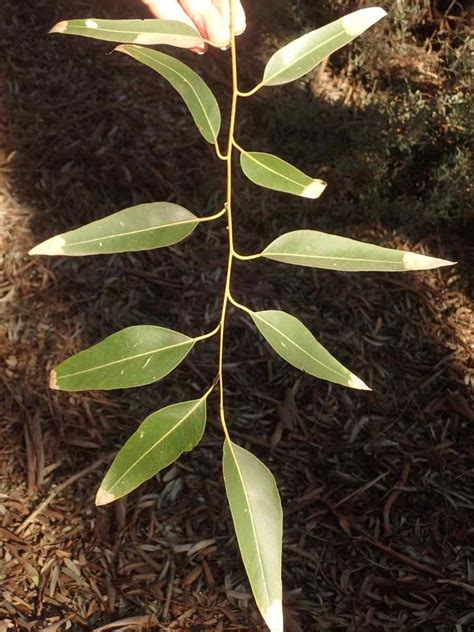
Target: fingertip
{"x": 240, "y": 29}
{"x": 240, "y": 21}
{"x": 218, "y": 34}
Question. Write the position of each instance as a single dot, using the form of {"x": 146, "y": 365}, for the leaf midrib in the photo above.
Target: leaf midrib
{"x": 291, "y": 254}
{"x": 165, "y": 436}
{"x": 139, "y": 355}
{"x": 141, "y": 51}
{"x": 277, "y": 173}
{"x": 136, "y": 33}
{"x": 252, "y": 522}
{"x": 132, "y": 232}
{"x": 300, "y": 348}
{"x": 299, "y": 59}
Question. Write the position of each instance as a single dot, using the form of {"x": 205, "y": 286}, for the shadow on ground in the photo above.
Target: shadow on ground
{"x": 376, "y": 487}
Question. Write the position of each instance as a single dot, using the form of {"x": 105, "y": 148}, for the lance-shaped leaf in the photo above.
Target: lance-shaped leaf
{"x": 132, "y": 357}
{"x": 157, "y": 443}
{"x": 141, "y": 227}
{"x": 274, "y": 173}
{"x": 297, "y": 345}
{"x": 320, "y": 250}
{"x": 171, "y": 32}
{"x": 198, "y": 97}
{"x": 303, "y": 54}
{"x": 258, "y": 521}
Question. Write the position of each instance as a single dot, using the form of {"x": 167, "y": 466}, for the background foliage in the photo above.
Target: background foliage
{"x": 399, "y": 105}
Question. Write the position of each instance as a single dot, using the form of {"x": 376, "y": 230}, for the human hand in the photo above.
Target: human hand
{"x": 210, "y": 17}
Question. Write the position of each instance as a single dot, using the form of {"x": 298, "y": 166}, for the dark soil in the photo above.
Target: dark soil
{"x": 377, "y": 488}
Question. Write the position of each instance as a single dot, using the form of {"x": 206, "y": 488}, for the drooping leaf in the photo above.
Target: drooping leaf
{"x": 258, "y": 521}
{"x": 320, "y": 250}
{"x": 157, "y": 443}
{"x": 274, "y": 173}
{"x": 198, "y": 97}
{"x": 141, "y": 227}
{"x": 303, "y": 54}
{"x": 297, "y": 345}
{"x": 171, "y": 32}
{"x": 131, "y": 357}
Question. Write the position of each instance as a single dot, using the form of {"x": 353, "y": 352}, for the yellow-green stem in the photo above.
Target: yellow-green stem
{"x": 209, "y": 335}
{"x": 246, "y": 257}
{"x": 230, "y": 146}
{"x": 250, "y": 92}
{"x": 211, "y": 218}
{"x": 239, "y": 305}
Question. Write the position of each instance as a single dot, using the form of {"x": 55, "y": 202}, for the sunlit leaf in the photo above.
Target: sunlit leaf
{"x": 198, "y": 97}
{"x": 274, "y": 173}
{"x": 257, "y": 515}
{"x": 297, "y": 345}
{"x": 320, "y": 250}
{"x": 171, "y": 32}
{"x": 157, "y": 443}
{"x": 141, "y": 227}
{"x": 132, "y": 357}
{"x": 303, "y": 54}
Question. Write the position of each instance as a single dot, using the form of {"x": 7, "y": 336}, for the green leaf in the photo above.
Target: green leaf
{"x": 258, "y": 521}
{"x": 132, "y": 357}
{"x": 303, "y": 54}
{"x": 157, "y": 443}
{"x": 274, "y": 173}
{"x": 200, "y": 101}
{"x": 297, "y": 345}
{"x": 169, "y": 32}
{"x": 319, "y": 250}
{"x": 141, "y": 227}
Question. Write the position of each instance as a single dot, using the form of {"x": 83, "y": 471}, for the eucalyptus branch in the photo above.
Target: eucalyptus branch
{"x": 144, "y": 354}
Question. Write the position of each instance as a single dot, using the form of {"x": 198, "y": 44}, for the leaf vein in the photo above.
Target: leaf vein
{"x": 301, "y": 348}
{"x": 142, "y": 52}
{"x": 130, "y": 358}
{"x": 165, "y": 436}
{"x": 277, "y": 173}
{"x": 290, "y": 254}
{"x": 252, "y": 522}
{"x": 300, "y": 59}
{"x": 131, "y": 232}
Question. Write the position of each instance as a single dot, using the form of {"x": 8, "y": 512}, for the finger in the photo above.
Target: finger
{"x": 168, "y": 10}
{"x": 208, "y": 20}
{"x": 223, "y": 6}
{"x": 171, "y": 10}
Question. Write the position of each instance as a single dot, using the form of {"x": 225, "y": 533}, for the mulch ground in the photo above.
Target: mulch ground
{"x": 376, "y": 488}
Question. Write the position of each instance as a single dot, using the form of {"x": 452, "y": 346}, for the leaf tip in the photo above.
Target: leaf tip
{"x": 103, "y": 497}
{"x": 413, "y": 261}
{"x": 60, "y": 27}
{"x": 120, "y": 49}
{"x": 357, "y": 22}
{"x": 53, "y": 246}
{"x": 314, "y": 190}
{"x": 53, "y": 380}
{"x": 273, "y": 616}
{"x": 357, "y": 383}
